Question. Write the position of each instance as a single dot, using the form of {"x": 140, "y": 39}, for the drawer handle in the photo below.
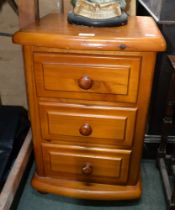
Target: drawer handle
{"x": 85, "y": 129}
{"x": 87, "y": 169}
{"x": 85, "y": 82}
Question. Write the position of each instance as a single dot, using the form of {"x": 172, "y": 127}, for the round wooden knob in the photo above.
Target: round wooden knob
{"x": 85, "y": 82}
{"x": 87, "y": 169}
{"x": 85, "y": 129}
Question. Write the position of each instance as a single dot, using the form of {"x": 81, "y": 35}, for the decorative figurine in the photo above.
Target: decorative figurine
{"x": 98, "y": 13}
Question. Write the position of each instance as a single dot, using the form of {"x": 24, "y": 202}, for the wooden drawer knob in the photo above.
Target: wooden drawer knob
{"x": 85, "y": 82}
{"x": 85, "y": 129}
{"x": 87, "y": 169}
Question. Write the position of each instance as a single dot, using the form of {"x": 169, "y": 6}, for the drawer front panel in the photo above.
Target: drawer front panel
{"x": 87, "y": 77}
{"x": 88, "y": 165}
{"x": 87, "y": 125}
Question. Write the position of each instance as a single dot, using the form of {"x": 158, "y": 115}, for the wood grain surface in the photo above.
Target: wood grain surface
{"x": 113, "y": 78}
{"x": 63, "y": 35}
{"x": 88, "y": 99}
{"x": 108, "y": 167}
{"x": 108, "y": 126}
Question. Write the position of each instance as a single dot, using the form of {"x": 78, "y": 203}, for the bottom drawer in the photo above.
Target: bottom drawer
{"x": 89, "y": 165}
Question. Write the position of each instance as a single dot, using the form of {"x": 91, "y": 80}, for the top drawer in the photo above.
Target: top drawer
{"x": 105, "y": 78}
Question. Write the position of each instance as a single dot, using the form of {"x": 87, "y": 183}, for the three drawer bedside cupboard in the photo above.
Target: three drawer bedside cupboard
{"x": 88, "y": 92}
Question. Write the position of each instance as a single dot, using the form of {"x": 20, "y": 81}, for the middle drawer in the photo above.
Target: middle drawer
{"x": 87, "y": 125}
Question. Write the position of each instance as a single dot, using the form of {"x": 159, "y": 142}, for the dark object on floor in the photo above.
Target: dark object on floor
{"x": 111, "y": 22}
{"x": 166, "y": 162}
{"x": 14, "y": 125}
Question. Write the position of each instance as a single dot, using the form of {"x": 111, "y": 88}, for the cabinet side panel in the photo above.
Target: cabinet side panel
{"x": 33, "y": 108}
{"x": 145, "y": 87}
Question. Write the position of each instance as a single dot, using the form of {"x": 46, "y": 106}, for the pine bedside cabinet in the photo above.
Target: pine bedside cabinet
{"x": 88, "y": 93}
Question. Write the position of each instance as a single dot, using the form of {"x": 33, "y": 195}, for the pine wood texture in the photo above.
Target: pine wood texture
{"x": 94, "y": 191}
{"x": 113, "y": 126}
{"x": 113, "y": 77}
{"x": 107, "y": 167}
{"x": 66, "y": 36}
{"x": 88, "y": 100}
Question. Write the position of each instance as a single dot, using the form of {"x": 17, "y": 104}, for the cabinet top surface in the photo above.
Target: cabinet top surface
{"x": 53, "y": 30}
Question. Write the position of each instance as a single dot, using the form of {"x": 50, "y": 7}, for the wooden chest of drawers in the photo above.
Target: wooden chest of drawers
{"x": 88, "y": 101}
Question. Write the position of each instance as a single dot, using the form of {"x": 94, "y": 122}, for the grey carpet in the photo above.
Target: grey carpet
{"x": 152, "y": 198}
